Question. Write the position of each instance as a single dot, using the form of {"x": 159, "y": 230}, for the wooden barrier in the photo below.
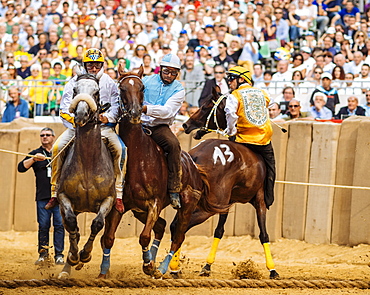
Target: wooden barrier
{"x": 310, "y": 152}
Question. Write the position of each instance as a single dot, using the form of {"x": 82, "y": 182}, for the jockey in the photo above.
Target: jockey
{"x": 248, "y": 119}
{"x": 93, "y": 62}
{"x": 163, "y": 98}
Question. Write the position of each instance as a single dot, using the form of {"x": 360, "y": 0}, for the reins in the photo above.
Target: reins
{"x": 214, "y": 113}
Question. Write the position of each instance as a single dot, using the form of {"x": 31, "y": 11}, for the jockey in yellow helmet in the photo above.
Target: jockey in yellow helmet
{"x": 247, "y": 118}
{"x": 93, "y": 60}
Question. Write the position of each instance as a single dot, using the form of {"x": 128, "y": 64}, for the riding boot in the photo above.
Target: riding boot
{"x": 52, "y": 203}
{"x": 175, "y": 200}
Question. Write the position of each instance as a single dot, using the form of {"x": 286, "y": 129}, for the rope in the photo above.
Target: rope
{"x": 324, "y": 185}
{"x": 194, "y": 283}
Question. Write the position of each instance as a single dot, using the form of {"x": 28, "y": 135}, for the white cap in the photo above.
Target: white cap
{"x": 171, "y": 60}
{"x": 326, "y": 75}
{"x": 331, "y": 30}
{"x": 306, "y": 49}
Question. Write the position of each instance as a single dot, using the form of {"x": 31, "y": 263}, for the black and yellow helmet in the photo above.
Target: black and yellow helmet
{"x": 238, "y": 71}
{"x": 93, "y": 55}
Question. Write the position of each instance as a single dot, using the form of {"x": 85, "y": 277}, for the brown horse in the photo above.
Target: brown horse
{"x": 87, "y": 179}
{"x": 235, "y": 174}
{"x": 145, "y": 190}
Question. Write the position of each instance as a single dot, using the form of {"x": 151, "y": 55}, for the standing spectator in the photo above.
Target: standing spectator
{"x": 249, "y": 54}
{"x": 367, "y": 105}
{"x": 282, "y": 26}
{"x": 351, "y": 109}
{"x": 332, "y": 10}
{"x": 193, "y": 76}
{"x": 350, "y": 9}
{"x": 328, "y": 90}
{"x": 219, "y": 80}
{"x": 43, "y": 194}
{"x": 322, "y": 19}
{"x": 319, "y": 110}
{"x": 15, "y": 107}
{"x": 223, "y": 58}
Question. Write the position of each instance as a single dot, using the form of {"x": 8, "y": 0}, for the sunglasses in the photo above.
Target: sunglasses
{"x": 298, "y": 59}
{"x": 47, "y": 135}
{"x": 91, "y": 65}
{"x": 130, "y": 14}
{"x": 140, "y": 49}
{"x": 10, "y": 56}
{"x": 219, "y": 72}
{"x": 166, "y": 71}
{"x": 231, "y": 78}
{"x": 294, "y": 106}
{"x": 318, "y": 72}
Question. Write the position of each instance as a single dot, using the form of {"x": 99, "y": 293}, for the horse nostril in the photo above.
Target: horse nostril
{"x": 185, "y": 126}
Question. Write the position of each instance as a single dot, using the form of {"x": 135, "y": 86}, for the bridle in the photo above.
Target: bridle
{"x": 213, "y": 113}
{"x": 125, "y": 112}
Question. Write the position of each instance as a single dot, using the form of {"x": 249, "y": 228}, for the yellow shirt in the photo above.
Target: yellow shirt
{"x": 253, "y": 123}
{"x": 38, "y": 90}
{"x": 71, "y": 48}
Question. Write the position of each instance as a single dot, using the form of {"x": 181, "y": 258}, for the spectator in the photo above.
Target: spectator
{"x": 267, "y": 77}
{"x": 193, "y": 76}
{"x": 298, "y": 64}
{"x": 257, "y": 72}
{"x": 275, "y": 112}
{"x": 316, "y": 75}
{"x": 235, "y": 49}
{"x": 287, "y": 95}
{"x": 328, "y": 62}
{"x": 367, "y": 105}
{"x": 43, "y": 193}
{"x": 308, "y": 60}
{"x": 147, "y": 61}
{"x": 219, "y": 80}
{"x": 328, "y": 90}
{"x": 350, "y": 9}
{"x": 223, "y": 58}
{"x": 319, "y": 110}
{"x": 249, "y": 53}
{"x": 295, "y": 113}
{"x": 322, "y": 19}
{"x": 15, "y": 107}
{"x": 359, "y": 39}
{"x": 355, "y": 66}
{"x": 43, "y": 44}
{"x": 363, "y": 81}
{"x": 282, "y": 26}
{"x": 348, "y": 87}
{"x": 351, "y": 109}
{"x": 205, "y": 60}
{"x": 338, "y": 76}
{"x": 282, "y": 76}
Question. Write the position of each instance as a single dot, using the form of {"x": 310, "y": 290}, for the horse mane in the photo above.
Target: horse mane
{"x": 83, "y": 97}
{"x": 205, "y": 203}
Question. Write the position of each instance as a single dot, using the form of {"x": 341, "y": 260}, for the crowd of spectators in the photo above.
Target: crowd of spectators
{"x": 294, "y": 48}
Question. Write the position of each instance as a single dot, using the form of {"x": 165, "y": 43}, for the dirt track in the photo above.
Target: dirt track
{"x": 293, "y": 259}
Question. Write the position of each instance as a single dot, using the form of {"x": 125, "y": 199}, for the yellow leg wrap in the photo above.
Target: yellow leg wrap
{"x": 269, "y": 262}
{"x": 175, "y": 261}
{"x": 212, "y": 254}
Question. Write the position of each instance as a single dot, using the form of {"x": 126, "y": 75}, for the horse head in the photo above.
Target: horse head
{"x": 132, "y": 93}
{"x": 209, "y": 117}
{"x": 85, "y": 101}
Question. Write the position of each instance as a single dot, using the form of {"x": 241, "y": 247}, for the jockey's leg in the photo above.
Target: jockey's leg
{"x": 168, "y": 141}
{"x": 56, "y": 165}
{"x": 119, "y": 152}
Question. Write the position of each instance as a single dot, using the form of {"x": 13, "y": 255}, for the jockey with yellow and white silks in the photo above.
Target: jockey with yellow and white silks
{"x": 93, "y": 61}
{"x": 247, "y": 118}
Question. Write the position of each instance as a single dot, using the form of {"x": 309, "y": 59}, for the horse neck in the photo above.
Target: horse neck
{"x": 88, "y": 142}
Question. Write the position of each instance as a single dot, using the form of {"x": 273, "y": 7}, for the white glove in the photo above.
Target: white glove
{"x": 229, "y": 132}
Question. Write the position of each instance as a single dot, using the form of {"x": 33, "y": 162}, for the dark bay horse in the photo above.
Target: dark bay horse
{"x": 145, "y": 190}
{"x": 235, "y": 174}
{"x": 87, "y": 181}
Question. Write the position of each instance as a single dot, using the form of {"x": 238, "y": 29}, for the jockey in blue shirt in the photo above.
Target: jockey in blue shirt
{"x": 163, "y": 98}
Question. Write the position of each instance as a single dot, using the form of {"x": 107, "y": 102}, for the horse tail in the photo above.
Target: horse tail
{"x": 205, "y": 203}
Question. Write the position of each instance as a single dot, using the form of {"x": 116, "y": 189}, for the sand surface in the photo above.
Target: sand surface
{"x": 293, "y": 259}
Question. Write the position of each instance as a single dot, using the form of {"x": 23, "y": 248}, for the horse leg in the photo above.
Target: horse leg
{"x": 260, "y": 206}
{"x": 159, "y": 228}
{"x": 107, "y": 240}
{"x": 189, "y": 199}
{"x": 144, "y": 240}
{"x": 217, "y": 236}
{"x": 70, "y": 224}
{"x": 96, "y": 227}
{"x": 197, "y": 217}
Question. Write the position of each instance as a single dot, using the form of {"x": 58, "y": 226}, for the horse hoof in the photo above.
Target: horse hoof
{"x": 176, "y": 275}
{"x": 63, "y": 275}
{"x": 157, "y": 274}
{"x": 85, "y": 257}
{"x": 79, "y": 266}
{"x": 71, "y": 261}
{"x": 274, "y": 274}
{"x": 206, "y": 271}
{"x": 103, "y": 276}
{"x": 148, "y": 268}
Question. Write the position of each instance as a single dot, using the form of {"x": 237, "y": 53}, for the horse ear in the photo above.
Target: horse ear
{"x": 79, "y": 70}
{"x": 141, "y": 71}
{"x": 120, "y": 70}
{"x": 100, "y": 73}
{"x": 216, "y": 90}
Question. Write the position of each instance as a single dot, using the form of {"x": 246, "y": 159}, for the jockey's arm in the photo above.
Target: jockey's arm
{"x": 169, "y": 109}
{"x": 66, "y": 102}
{"x": 231, "y": 117}
{"x": 110, "y": 94}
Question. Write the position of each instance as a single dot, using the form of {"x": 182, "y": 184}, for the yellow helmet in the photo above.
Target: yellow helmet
{"x": 93, "y": 55}
{"x": 241, "y": 72}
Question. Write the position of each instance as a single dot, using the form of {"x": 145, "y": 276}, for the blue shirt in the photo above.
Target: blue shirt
{"x": 282, "y": 30}
{"x": 12, "y": 112}
{"x": 367, "y": 109}
{"x": 324, "y": 113}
